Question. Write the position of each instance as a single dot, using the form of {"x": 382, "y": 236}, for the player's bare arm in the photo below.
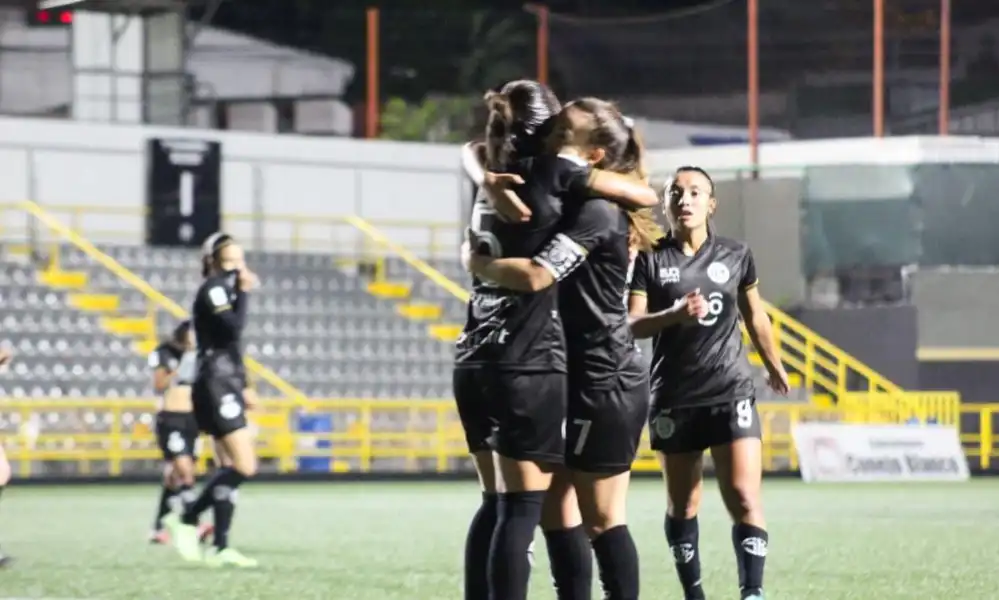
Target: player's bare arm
{"x": 5, "y": 356}
{"x": 688, "y": 309}
{"x": 758, "y": 325}
{"x": 517, "y": 274}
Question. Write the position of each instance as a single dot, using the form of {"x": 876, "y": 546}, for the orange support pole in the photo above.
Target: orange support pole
{"x": 878, "y": 93}
{"x": 372, "y": 104}
{"x": 944, "y": 116}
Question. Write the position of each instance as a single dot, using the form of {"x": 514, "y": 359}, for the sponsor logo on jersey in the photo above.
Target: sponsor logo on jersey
{"x": 669, "y": 275}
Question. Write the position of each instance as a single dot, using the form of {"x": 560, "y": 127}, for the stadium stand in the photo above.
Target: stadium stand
{"x": 327, "y": 330}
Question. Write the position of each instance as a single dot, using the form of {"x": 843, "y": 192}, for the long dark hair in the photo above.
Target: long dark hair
{"x": 518, "y": 114}
{"x": 211, "y": 249}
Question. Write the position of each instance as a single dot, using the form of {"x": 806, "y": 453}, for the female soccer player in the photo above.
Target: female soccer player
{"x": 219, "y": 316}
{"x": 608, "y": 385}
{"x": 688, "y": 295}
{"x": 5, "y": 471}
{"x": 520, "y": 116}
{"x": 174, "y": 363}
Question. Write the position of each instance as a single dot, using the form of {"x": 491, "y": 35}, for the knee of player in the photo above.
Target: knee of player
{"x": 683, "y": 504}
{"x": 603, "y": 518}
{"x": 745, "y": 500}
{"x": 246, "y": 466}
{"x": 685, "y": 508}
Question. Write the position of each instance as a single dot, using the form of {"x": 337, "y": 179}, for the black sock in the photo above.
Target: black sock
{"x": 480, "y": 536}
{"x": 682, "y": 536}
{"x": 751, "y": 544}
{"x": 571, "y": 558}
{"x": 509, "y": 566}
{"x": 224, "y": 505}
{"x": 222, "y": 478}
{"x": 167, "y": 495}
{"x": 617, "y": 560}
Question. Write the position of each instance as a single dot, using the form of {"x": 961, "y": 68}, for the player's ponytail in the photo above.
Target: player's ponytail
{"x": 644, "y": 231}
{"x": 633, "y": 157}
{"x": 499, "y": 138}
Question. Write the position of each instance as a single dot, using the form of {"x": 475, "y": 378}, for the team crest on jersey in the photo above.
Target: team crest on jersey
{"x": 665, "y": 427}
{"x": 718, "y": 273}
{"x": 669, "y": 275}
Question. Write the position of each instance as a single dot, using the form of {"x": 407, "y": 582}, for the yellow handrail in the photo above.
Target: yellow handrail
{"x": 147, "y": 290}
{"x": 844, "y": 361}
{"x": 813, "y": 342}
{"x": 411, "y": 259}
{"x": 416, "y": 435}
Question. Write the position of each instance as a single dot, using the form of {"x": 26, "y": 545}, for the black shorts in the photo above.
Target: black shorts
{"x": 518, "y": 415}
{"x": 604, "y": 425}
{"x": 219, "y": 406}
{"x": 697, "y": 428}
{"x": 176, "y": 434}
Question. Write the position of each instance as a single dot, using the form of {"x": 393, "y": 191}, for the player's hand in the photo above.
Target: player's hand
{"x": 693, "y": 305}
{"x": 777, "y": 380}
{"x": 5, "y": 356}
{"x": 248, "y": 280}
{"x": 507, "y": 204}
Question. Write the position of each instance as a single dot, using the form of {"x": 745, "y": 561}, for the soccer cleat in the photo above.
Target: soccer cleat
{"x": 227, "y": 557}
{"x": 752, "y": 595}
{"x": 184, "y": 537}
{"x": 160, "y": 537}
{"x": 205, "y": 530}
{"x": 5, "y": 560}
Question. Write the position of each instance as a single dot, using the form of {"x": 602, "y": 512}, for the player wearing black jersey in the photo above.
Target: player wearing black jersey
{"x": 173, "y": 364}
{"x": 219, "y": 316}
{"x": 608, "y": 393}
{"x": 500, "y": 378}
{"x": 688, "y": 295}
{"x": 5, "y": 471}
{"x": 515, "y": 339}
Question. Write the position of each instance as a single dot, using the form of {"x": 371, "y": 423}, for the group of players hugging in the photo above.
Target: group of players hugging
{"x": 570, "y": 266}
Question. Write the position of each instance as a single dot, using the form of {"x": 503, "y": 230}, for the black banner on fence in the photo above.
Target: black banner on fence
{"x": 183, "y": 191}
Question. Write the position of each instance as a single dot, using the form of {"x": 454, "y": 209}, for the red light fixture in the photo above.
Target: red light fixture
{"x": 41, "y": 18}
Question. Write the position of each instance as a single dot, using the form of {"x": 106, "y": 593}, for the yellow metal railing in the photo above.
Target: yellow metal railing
{"x": 280, "y": 231}
{"x": 824, "y": 366}
{"x": 154, "y": 296}
{"x": 112, "y": 436}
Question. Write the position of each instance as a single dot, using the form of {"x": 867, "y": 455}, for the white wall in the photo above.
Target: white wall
{"x": 60, "y": 163}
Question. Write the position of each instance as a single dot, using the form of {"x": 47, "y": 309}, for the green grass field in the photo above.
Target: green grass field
{"x": 382, "y": 541}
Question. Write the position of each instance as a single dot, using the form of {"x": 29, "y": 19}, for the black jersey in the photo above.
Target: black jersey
{"x": 698, "y": 364}
{"x": 589, "y": 257}
{"x": 219, "y": 317}
{"x": 511, "y": 330}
